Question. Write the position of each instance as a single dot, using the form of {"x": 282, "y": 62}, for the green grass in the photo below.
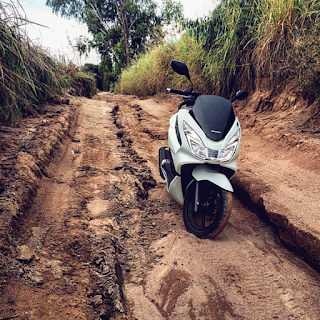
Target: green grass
{"x": 151, "y": 74}
{"x": 28, "y": 75}
{"x": 244, "y": 43}
{"x": 83, "y": 84}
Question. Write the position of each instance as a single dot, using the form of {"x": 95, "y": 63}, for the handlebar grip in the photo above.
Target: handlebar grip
{"x": 174, "y": 91}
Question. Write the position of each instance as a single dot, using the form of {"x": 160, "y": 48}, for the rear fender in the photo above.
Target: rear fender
{"x": 205, "y": 172}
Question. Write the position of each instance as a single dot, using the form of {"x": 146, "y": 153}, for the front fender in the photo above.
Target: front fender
{"x": 205, "y": 172}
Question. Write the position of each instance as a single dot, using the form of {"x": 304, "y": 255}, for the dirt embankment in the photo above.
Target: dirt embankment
{"x": 280, "y": 166}
{"x": 101, "y": 239}
{"x": 26, "y": 152}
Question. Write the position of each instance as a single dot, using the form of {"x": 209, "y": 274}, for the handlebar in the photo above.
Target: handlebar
{"x": 169, "y": 90}
{"x": 189, "y": 96}
{"x": 186, "y": 94}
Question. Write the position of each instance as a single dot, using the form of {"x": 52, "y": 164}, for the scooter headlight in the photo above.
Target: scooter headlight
{"x": 195, "y": 143}
{"x": 200, "y": 151}
{"x": 228, "y": 152}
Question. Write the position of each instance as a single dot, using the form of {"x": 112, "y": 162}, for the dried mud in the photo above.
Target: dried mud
{"x": 89, "y": 231}
{"x": 279, "y": 174}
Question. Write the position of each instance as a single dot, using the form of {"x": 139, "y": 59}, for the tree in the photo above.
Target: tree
{"x": 121, "y": 29}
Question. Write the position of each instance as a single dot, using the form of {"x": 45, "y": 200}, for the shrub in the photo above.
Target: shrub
{"x": 83, "y": 84}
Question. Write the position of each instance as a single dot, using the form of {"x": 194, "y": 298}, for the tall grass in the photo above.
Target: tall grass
{"x": 250, "y": 39}
{"x": 249, "y": 42}
{"x": 151, "y": 74}
{"x": 290, "y": 27}
{"x": 28, "y": 75}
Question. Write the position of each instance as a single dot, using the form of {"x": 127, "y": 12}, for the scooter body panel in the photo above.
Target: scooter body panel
{"x": 180, "y": 155}
{"x": 205, "y": 172}
{"x": 175, "y": 190}
{"x": 174, "y": 144}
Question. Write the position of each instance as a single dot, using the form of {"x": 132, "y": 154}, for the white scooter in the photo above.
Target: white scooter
{"x": 204, "y": 142}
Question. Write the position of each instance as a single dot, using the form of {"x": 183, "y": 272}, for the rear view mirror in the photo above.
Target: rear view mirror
{"x": 180, "y": 68}
{"x": 240, "y": 95}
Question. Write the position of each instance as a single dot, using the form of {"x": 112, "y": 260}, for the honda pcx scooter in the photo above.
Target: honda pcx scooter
{"x": 204, "y": 141}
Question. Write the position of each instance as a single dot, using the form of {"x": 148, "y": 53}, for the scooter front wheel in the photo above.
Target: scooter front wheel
{"x": 210, "y": 215}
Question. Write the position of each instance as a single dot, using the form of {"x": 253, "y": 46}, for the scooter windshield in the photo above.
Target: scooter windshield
{"x": 214, "y": 115}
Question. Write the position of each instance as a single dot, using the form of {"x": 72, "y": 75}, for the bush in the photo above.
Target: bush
{"x": 28, "y": 75}
{"x": 81, "y": 83}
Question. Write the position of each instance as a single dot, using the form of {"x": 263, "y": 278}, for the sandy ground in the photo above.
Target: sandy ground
{"x": 280, "y": 166}
{"x": 103, "y": 240}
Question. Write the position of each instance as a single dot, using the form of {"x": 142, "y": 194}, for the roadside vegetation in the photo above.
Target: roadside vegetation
{"x": 121, "y": 30}
{"x": 28, "y": 75}
{"x": 244, "y": 44}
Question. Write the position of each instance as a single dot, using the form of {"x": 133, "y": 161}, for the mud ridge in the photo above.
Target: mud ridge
{"x": 251, "y": 191}
{"x": 144, "y": 181}
{"x": 106, "y": 293}
{"x": 24, "y": 164}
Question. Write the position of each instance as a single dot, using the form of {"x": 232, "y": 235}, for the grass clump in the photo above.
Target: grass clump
{"x": 151, "y": 74}
{"x": 248, "y": 40}
{"x": 28, "y": 76}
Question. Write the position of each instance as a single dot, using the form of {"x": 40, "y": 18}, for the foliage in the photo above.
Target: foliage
{"x": 83, "y": 84}
{"x": 93, "y": 69}
{"x": 246, "y": 43}
{"x": 250, "y": 39}
{"x": 28, "y": 76}
{"x": 149, "y": 75}
{"x": 152, "y": 73}
{"x": 121, "y": 29}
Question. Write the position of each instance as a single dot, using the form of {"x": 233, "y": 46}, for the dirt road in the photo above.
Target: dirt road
{"x": 103, "y": 240}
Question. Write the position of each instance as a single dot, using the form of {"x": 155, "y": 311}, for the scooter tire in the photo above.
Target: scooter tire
{"x": 161, "y": 155}
{"x": 207, "y": 222}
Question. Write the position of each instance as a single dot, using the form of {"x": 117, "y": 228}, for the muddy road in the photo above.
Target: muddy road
{"x": 103, "y": 240}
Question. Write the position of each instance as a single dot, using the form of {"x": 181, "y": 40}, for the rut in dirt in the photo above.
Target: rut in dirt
{"x": 103, "y": 240}
{"x": 89, "y": 228}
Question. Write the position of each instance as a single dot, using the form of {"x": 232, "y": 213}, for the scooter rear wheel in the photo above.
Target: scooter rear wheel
{"x": 213, "y": 211}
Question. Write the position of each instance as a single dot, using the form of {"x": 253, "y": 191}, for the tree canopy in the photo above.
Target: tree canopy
{"x": 121, "y": 29}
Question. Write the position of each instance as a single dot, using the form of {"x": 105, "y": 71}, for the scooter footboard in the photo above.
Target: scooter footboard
{"x": 205, "y": 172}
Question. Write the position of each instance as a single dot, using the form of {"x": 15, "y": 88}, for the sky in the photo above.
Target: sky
{"x": 59, "y": 32}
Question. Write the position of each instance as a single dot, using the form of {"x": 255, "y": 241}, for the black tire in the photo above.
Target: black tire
{"x": 159, "y": 162}
{"x": 213, "y": 212}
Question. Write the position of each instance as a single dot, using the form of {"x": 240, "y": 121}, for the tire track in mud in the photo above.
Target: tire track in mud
{"x": 103, "y": 239}
{"x": 90, "y": 227}
{"x": 119, "y": 216}
{"x": 244, "y": 274}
